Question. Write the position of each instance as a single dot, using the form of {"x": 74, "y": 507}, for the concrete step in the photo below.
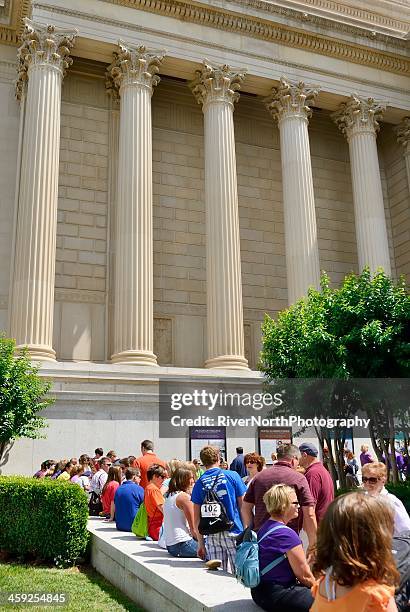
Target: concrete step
{"x": 158, "y": 582}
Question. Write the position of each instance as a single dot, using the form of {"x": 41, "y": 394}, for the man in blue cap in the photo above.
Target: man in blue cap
{"x": 319, "y": 480}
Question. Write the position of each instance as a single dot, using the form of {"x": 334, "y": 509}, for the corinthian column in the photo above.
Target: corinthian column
{"x": 216, "y": 89}
{"x": 403, "y": 137}
{"x": 133, "y": 75}
{"x": 358, "y": 121}
{"x": 43, "y": 60}
{"x": 288, "y": 105}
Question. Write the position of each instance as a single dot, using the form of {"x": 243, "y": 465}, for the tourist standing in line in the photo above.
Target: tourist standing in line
{"x": 285, "y": 587}
{"x": 127, "y": 499}
{"x": 98, "y": 455}
{"x": 354, "y": 556}
{"x": 319, "y": 480}
{"x": 374, "y": 477}
{"x": 238, "y": 464}
{"x": 100, "y": 477}
{"x": 365, "y": 456}
{"x": 282, "y": 472}
{"x": 154, "y": 500}
{"x": 147, "y": 458}
{"x": 179, "y": 528}
{"x": 229, "y": 488}
{"x": 253, "y": 465}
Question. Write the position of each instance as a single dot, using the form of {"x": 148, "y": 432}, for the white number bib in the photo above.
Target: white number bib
{"x": 210, "y": 510}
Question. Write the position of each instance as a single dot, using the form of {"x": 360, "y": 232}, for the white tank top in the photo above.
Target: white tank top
{"x": 176, "y": 528}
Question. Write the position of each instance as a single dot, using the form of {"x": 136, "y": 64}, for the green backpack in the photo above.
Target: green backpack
{"x": 140, "y": 523}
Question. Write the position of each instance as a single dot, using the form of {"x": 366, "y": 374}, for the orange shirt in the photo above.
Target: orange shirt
{"x": 364, "y": 597}
{"x": 153, "y": 498}
{"x": 143, "y": 463}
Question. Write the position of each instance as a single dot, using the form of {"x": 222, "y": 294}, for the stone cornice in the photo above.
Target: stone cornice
{"x": 255, "y": 27}
{"x": 10, "y": 33}
{"x": 365, "y": 20}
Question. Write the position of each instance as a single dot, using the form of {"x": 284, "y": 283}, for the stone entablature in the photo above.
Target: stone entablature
{"x": 389, "y": 55}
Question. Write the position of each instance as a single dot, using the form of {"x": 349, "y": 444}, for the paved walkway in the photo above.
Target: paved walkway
{"x": 158, "y": 582}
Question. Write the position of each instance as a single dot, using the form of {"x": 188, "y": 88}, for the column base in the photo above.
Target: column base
{"x": 228, "y": 362}
{"x": 135, "y": 357}
{"x": 38, "y": 352}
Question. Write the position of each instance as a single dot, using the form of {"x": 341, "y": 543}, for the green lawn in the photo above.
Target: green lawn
{"x": 87, "y": 590}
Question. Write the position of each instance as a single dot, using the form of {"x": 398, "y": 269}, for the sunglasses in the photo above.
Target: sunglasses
{"x": 250, "y": 463}
{"x": 370, "y": 479}
{"x": 296, "y": 503}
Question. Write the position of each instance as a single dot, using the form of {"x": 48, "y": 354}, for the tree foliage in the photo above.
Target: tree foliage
{"x": 358, "y": 331}
{"x": 22, "y": 396}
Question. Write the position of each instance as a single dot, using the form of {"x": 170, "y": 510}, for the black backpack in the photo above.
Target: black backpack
{"x": 95, "y": 504}
{"x": 401, "y": 553}
{"x": 214, "y": 518}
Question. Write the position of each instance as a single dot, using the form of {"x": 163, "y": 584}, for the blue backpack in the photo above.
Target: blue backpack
{"x": 247, "y": 558}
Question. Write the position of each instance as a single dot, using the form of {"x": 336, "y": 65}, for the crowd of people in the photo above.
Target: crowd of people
{"x": 203, "y": 508}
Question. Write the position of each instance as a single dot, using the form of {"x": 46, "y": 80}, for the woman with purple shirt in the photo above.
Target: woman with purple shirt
{"x": 281, "y": 548}
{"x": 365, "y": 456}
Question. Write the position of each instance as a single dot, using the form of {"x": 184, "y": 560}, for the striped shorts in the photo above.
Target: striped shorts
{"x": 222, "y": 546}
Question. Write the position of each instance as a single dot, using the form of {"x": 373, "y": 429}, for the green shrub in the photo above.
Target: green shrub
{"x": 44, "y": 518}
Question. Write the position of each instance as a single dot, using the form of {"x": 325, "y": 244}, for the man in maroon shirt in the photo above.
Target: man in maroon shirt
{"x": 319, "y": 479}
{"x": 282, "y": 472}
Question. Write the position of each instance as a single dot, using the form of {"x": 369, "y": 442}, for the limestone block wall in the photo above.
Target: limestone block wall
{"x": 179, "y": 227}
{"x": 397, "y": 196}
{"x": 333, "y": 197}
{"x": 9, "y": 136}
{"x": 81, "y": 270}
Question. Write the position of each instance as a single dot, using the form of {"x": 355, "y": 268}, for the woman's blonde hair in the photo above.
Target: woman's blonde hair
{"x": 364, "y": 448}
{"x": 172, "y": 466}
{"x": 277, "y": 499}
{"x": 355, "y": 539}
{"x": 376, "y": 468}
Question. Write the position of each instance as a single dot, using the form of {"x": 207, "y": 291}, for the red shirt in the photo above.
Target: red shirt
{"x": 280, "y": 473}
{"x": 144, "y": 462}
{"x": 108, "y": 496}
{"x": 321, "y": 486}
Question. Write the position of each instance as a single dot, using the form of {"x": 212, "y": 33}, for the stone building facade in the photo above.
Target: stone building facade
{"x": 170, "y": 172}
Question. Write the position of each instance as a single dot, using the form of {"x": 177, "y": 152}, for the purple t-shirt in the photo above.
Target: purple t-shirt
{"x": 274, "y": 545}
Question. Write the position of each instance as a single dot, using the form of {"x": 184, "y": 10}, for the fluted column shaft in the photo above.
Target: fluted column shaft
{"x": 43, "y": 61}
{"x": 403, "y": 137}
{"x": 357, "y": 119}
{"x": 288, "y": 104}
{"x": 215, "y": 88}
{"x": 133, "y": 74}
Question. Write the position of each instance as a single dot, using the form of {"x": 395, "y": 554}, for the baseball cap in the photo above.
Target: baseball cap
{"x": 309, "y": 449}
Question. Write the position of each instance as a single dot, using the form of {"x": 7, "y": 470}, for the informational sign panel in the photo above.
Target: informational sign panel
{"x": 206, "y": 436}
{"x": 269, "y": 438}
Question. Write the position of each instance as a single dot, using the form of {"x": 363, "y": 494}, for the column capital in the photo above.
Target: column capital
{"x": 359, "y": 116}
{"x": 291, "y": 100}
{"x": 217, "y": 84}
{"x": 403, "y": 134}
{"x": 133, "y": 65}
{"x": 43, "y": 45}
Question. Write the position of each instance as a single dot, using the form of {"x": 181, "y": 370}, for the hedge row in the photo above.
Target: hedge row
{"x": 44, "y": 518}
